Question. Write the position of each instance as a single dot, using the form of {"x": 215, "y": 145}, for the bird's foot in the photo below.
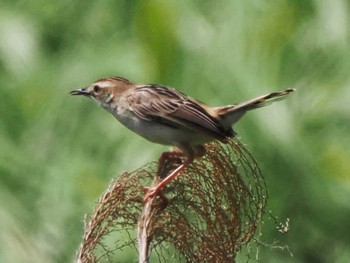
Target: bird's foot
{"x": 151, "y": 192}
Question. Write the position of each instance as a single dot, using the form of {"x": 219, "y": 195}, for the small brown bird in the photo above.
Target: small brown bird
{"x": 166, "y": 116}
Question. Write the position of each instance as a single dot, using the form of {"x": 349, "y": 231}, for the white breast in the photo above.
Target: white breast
{"x": 159, "y": 133}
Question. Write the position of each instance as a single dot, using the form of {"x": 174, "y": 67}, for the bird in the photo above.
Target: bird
{"x": 166, "y": 116}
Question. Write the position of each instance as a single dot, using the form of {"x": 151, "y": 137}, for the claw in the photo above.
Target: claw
{"x": 146, "y": 189}
{"x": 152, "y": 192}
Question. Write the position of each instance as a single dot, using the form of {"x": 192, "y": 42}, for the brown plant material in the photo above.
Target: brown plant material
{"x": 209, "y": 213}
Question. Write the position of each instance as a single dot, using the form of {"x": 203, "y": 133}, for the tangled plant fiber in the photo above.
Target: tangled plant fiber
{"x": 210, "y": 211}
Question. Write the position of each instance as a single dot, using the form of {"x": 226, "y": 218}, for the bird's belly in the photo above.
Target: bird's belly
{"x": 163, "y": 134}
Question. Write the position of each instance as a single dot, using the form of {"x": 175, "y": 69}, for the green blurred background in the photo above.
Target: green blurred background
{"x": 58, "y": 152}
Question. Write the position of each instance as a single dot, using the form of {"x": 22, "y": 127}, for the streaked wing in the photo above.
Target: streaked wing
{"x": 170, "y": 107}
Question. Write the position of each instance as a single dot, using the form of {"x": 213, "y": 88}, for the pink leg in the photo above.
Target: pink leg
{"x": 157, "y": 190}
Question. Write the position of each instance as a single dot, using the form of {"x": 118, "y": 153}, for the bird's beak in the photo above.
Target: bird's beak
{"x": 81, "y": 91}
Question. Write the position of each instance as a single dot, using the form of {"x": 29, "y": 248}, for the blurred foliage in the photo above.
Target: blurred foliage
{"x": 57, "y": 153}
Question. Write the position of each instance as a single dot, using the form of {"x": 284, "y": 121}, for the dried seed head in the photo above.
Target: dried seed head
{"x": 213, "y": 209}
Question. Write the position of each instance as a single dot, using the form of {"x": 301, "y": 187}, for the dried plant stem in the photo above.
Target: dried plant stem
{"x": 151, "y": 208}
{"x": 143, "y": 231}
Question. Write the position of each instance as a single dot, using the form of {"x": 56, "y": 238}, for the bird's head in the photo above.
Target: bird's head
{"x": 103, "y": 91}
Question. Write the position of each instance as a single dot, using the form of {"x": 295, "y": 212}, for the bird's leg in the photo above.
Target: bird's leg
{"x": 190, "y": 155}
{"x": 157, "y": 190}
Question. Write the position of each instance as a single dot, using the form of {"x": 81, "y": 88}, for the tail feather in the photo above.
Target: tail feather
{"x": 232, "y": 113}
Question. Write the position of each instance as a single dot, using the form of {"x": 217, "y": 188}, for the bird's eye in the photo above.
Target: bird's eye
{"x": 96, "y": 88}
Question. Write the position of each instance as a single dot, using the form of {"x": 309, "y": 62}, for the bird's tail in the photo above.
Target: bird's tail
{"x": 232, "y": 113}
